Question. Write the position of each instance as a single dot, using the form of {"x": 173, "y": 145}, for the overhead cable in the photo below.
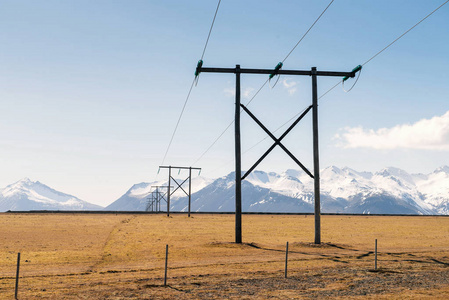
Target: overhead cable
{"x": 390, "y": 44}
{"x": 266, "y": 81}
{"x": 300, "y": 40}
{"x": 191, "y": 87}
{"x": 210, "y": 30}
{"x": 411, "y": 28}
{"x": 179, "y": 119}
{"x": 366, "y": 62}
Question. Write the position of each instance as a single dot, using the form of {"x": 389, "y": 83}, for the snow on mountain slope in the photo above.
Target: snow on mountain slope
{"x": 401, "y": 185}
{"x": 283, "y": 184}
{"x": 220, "y": 196}
{"x": 33, "y": 195}
{"x": 344, "y": 183}
{"x": 389, "y": 191}
{"x": 435, "y": 189}
{"x": 136, "y": 198}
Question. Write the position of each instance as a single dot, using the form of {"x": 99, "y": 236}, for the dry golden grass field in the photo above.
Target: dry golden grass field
{"x": 109, "y": 256}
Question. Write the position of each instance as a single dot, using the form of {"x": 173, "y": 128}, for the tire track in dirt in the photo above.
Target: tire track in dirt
{"x": 106, "y": 244}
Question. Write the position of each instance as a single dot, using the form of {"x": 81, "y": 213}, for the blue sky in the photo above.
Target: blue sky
{"x": 91, "y": 90}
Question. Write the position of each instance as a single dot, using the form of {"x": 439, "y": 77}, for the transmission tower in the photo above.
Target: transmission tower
{"x": 157, "y": 196}
{"x": 277, "y": 141}
{"x": 179, "y": 186}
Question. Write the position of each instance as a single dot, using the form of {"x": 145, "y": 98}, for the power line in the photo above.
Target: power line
{"x": 179, "y": 119}
{"x": 390, "y": 44}
{"x": 191, "y": 87}
{"x": 404, "y": 34}
{"x": 227, "y": 127}
{"x": 210, "y": 30}
{"x": 216, "y": 140}
{"x": 307, "y": 31}
{"x": 338, "y": 83}
{"x": 266, "y": 81}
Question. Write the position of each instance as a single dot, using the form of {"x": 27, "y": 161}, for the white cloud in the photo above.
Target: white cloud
{"x": 229, "y": 92}
{"x": 290, "y": 85}
{"x": 246, "y": 93}
{"x": 430, "y": 134}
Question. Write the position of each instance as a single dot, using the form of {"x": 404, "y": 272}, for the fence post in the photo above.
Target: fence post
{"x": 17, "y": 276}
{"x": 375, "y": 255}
{"x": 286, "y": 260}
{"x": 166, "y": 260}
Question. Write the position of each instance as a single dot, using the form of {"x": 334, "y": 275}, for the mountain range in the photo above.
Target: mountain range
{"x": 33, "y": 195}
{"x": 343, "y": 190}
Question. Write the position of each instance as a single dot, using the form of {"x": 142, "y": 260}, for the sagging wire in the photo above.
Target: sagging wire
{"x": 343, "y": 83}
{"x": 272, "y": 86}
{"x": 275, "y": 73}
{"x": 355, "y": 70}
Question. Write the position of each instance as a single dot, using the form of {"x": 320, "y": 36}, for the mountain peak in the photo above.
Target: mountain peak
{"x": 20, "y": 185}
{"x": 392, "y": 171}
{"x": 293, "y": 173}
{"x": 25, "y": 180}
{"x": 332, "y": 171}
{"x": 443, "y": 169}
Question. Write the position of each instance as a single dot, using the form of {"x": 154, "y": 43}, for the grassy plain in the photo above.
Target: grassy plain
{"x": 109, "y": 256}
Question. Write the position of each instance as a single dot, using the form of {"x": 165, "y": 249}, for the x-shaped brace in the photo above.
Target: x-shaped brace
{"x": 179, "y": 186}
{"x": 161, "y": 196}
{"x": 277, "y": 141}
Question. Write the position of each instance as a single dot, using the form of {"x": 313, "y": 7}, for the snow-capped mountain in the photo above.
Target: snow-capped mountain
{"x": 32, "y": 195}
{"x": 388, "y": 191}
{"x": 435, "y": 189}
{"x": 219, "y": 196}
{"x": 136, "y": 198}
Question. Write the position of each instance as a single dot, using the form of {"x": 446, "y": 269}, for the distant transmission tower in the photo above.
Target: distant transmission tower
{"x": 179, "y": 186}
{"x": 157, "y": 196}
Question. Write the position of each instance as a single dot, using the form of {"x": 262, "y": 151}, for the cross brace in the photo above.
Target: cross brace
{"x": 277, "y": 142}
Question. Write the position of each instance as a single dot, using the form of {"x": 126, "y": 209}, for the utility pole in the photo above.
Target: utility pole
{"x": 316, "y": 158}
{"x": 238, "y": 161}
{"x": 168, "y": 194}
{"x": 190, "y": 188}
{"x": 316, "y": 173}
{"x": 179, "y": 186}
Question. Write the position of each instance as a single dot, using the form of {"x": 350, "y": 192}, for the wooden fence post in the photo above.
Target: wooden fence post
{"x": 286, "y": 260}
{"x": 375, "y": 255}
{"x": 17, "y": 276}
{"x": 166, "y": 260}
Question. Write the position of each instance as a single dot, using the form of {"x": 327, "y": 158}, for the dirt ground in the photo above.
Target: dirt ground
{"x": 109, "y": 256}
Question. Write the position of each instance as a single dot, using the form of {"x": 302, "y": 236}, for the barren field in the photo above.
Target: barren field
{"x": 108, "y": 256}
